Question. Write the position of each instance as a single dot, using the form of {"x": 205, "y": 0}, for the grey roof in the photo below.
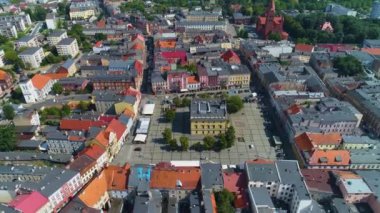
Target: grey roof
{"x": 211, "y": 175}
{"x": 108, "y": 96}
{"x": 51, "y": 178}
{"x": 172, "y": 205}
{"x": 66, "y": 41}
{"x": 30, "y": 51}
{"x": 29, "y": 144}
{"x": 139, "y": 176}
{"x": 365, "y": 156}
{"x": 50, "y": 16}
{"x": 25, "y": 38}
{"x": 192, "y": 23}
{"x": 122, "y": 77}
{"x": 262, "y": 172}
{"x": 80, "y": 163}
{"x": 7, "y": 209}
{"x": 68, "y": 63}
{"x": 151, "y": 203}
{"x": 26, "y": 129}
{"x": 94, "y": 68}
{"x": 195, "y": 202}
{"x": 32, "y": 156}
{"x": 74, "y": 80}
{"x": 208, "y": 109}
{"x": 351, "y": 139}
{"x": 57, "y": 33}
{"x": 289, "y": 173}
{"x": 340, "y": 206}
{"x": 124, "y": 119}
{"x": 373, "y": 43}
{"x": 372, "y": 178}
{"x": 130, "y": 99}
{"x": 207, "y": 202}
{"x": 261, "y": 196}
{"x": 157, "y": 77}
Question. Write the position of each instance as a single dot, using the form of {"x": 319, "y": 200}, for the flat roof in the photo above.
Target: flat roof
{"x": 355, "y": 186}
{"x": 148, "y": 109}
{"x": 260, "y": 196}
{"x": 140, "y": 138}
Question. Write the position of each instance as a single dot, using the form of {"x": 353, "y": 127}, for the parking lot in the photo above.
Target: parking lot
{"x": 252, "y": 141}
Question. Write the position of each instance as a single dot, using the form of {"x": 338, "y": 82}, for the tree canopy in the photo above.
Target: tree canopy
{"x": 167, "y": 134}
{"x": 7, "y": 138}
{"x": 209, "y": 142}
{"x": 170, "y": 115}
{"x": 348, "y": 66}
{"x": 234, "y": 104}
{"x": 224, "y": 201}
{"x": 184, "y": 141}
{"x": 9, "y": 112}
{"x": 57, "y": 88}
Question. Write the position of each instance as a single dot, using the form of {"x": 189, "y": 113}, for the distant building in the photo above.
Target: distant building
{"x": 208, "y": 117}
{"x": 8, "y": 30}
{"x": 6, "y": 80}
{"x": 269, "y": 23}
{"x": 20, "y": 22}
{"x": 27, "y": 41}
{"x": 2, "y": 57}
{"x": 375, "y": 12}
{"x": 82, "y": 9}
{"x": 200, "y": 16}
{"x": 51, "y": 22}
{"x": 32, "y": 56}
{"x": 56, "y": 36}
{"x": 353, "y": 187}
{"x": 68, "y": 47}
{"x": 339, "y": 10}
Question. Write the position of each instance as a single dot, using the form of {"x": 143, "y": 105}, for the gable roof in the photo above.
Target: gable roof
{"x": 304, "y": 48}
{"x": 39, "y": 81}
{"x": 307, "y": 140}
{"x": 117, "y": 177}
{"x": 173, "y": 178}
{"x": 102, "y": 138}
{"x": 94, "y": 191}
{"x": 117, "y": 127}
{"x": 228, "y": 55}
{"x": 372, "y": 51}
{"x": 94, "y": 151}
{"x": 3, "y": 75}
{"x": 192, "y": 80}
{"x": 80, "y": 125}
{"x": 330, "y": 157}
{"x": 56, "y": 76}
{"x": 29, "y": 203}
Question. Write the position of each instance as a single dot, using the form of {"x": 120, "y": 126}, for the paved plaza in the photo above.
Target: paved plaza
{"x": 251, "y": 140}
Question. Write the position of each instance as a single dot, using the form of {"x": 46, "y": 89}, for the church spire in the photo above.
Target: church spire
{"x": 271, "y": 6}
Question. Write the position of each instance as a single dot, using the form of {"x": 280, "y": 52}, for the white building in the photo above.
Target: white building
{"x": 279, "y": 48}
{"x": 27, "y": 41}
{"x": 68, "y": 47}
{"x": 2, "y": 54}
{"x": 56, "y": 36}
{"x": 32, "y": 56}
{"x": 37, "y": 88}
{"x": 7, "y": 29}
{"x": 283, "y": 180}
{"x": 51, "y": 22}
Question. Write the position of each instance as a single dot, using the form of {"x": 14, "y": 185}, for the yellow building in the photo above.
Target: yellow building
{"x": 208, "y": 117}
{"x": 240, "y": 76}
{"x": 82, "y": 10}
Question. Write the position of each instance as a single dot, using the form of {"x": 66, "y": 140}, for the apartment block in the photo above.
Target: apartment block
{"x": 56, "y": 36}
{"x": 27, "y": 41}
{"x": 8, "y": 29}
{"x": 68, "y": 47}
{"x": 32, "y": 56}
{"x": 21, "y": 22}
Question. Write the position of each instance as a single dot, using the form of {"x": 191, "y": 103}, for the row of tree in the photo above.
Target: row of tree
{"x": 172, "y": 142}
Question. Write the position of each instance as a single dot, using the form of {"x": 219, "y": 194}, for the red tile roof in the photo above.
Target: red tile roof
{"x": 93, "y": 151}
{"x": 39, "y": 81}
{"x": 318, "y": 180}
{"x": 236, "y": 182}
{"x": 4, "y": 75}
{"x": 94, "y": 191}
{"x": 304, "y": 48}
{"x": 330, "y": 157}
{"x": 372, "y": 51}
{"x": 138, "y": 46}
{"x": 29, "y": 203}
{"x": 117, "y": 127}
{"x": 192, "y": 80}
{"x": 56, "y": 76}
{"x": 103, "y": 138}
{"x": 308, "y": 140}
{"x": 294, "y": 109}
{"x": 117, "y": 177}
{"x": 169, "y": 178}
{"x": 101, "y": 23}
{"x": 230, "y": 54}
{"x": 80, "y": 125}
{"x": 139, "y": 67}
{"x": 179, "y": 54}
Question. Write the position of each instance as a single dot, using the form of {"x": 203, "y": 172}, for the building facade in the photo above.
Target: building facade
{"x": 68, "y": 47}
{"x": 32, "y": 56}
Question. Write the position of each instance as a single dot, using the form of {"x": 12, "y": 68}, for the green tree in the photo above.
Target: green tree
{"x": 16, "y": 96}
{"x": 186, "y": 102}
{"x": 100, "y": 36}
{"x": 167, "y": 134}
{"x": 230, "y": 136}
{"x": 177, "y": 102}
{"x": 7, "y": 138}
{"x": 83, "y": 106}
{"x": 209, "y": 142}
{"x": 223, "y": 144}
{"x": 348, "y": 66}
{"x": 173, "y": 144}
{"x": 170, "y": 115}
{"x": 66, "y": 110}
{"x": 224, "y": 201}
{"x": 57, "y": 88}
{"x": 9, "y": 112}
{"x": 184, "y": 141}
{"x": 275, "y": 36}
{"x": 234, "y": 104}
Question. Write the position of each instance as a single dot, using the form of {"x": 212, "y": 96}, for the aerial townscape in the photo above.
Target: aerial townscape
{"x": 189, "y": 106}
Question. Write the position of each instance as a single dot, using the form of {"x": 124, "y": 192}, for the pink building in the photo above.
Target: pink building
{"x": 29, "y": 203}
{"x": 354, "y": 189}
{"x": 177, "y": 81}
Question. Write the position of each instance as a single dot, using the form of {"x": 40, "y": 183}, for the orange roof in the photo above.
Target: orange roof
{"x": 307, "y": 140}
{"x": 138, "y": 46}
{"x": 330, "y": 157}
{"x": 192, "y": 80}
{"x": 372, "y": 51}
{"x": 117, "y": 127}
{"x": 129, "y": 113}
{"x": 94, "y": 151}
{"x": 304, "y": 48}
{"x": 167, "y": 43}
{"x": 117, "y": 177}
{"x": 39, "y": 81}
{"x": 346, "y": 174}
{"x": 3, "y": 75}
{"x": 56, "y": 76}
{"x": 294, "y": 109}
{"x": 169, "y": 178}
{"x": 94, "y": 191}
{"x": 102, "y": 138}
